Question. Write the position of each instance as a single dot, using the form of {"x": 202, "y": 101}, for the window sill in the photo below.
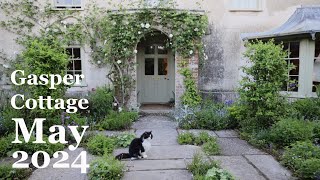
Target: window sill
{"x": 245, "y": 10}
{"x": 67, "y": 9}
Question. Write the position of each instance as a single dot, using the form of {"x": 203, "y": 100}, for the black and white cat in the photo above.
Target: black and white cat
{"x": 138, "y": 147}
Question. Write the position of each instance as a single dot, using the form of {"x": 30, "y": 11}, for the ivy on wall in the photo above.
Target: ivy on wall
{"x": 113, "y": 35}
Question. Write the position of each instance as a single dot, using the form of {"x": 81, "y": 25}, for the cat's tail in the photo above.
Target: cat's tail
{"x": 123, "y": 156}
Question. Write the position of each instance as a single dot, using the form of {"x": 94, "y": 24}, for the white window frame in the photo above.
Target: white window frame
{"x": 83, "y": 82}
{"x": 153, "y": 3}
{"x": 57, "y": 6}
{"x": 244, "y": 5}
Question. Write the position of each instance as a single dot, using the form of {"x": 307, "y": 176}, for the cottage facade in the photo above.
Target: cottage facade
{"x": 157, "y": 79}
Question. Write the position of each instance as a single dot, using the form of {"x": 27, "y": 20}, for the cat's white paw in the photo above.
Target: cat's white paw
{"x": 134, "y": 158}
{"x": 144, "y": 156}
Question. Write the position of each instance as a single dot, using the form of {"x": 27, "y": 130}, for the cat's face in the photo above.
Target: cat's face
{"x": 147, "y": 135}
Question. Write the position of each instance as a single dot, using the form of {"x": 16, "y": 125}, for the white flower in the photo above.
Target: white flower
{"x": 64, "y": 22}
{"x": 106, "y": 54}
{"x": 99, "y": 62}
{"x": 115, "y": 104}
{"x": 191, "y": 52}
{"x": 124, "y": 49}
{"x": 48, "y": 29}
{"x": 142, "y": 25}
{"x": 119, "y": 61}
{"x": 135, "y": 51}
{"x": 120, "y": 109}
{"x": 139, "y": 32}
{"x": 196, "y": 29}
{"x": 114, "y": 23}
{"x": 170, "y": 35}
{"x": 126, "y": 22}
{"x": 15, "y": 52}
{"x": 147, "y": 25}
{"x": 105, "y": 42}
{"x": 206, "y": 57}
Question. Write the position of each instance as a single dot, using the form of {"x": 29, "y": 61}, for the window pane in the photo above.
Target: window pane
{"x": 149, "y": 66}
{"x": 317, "y": 52}
{"x": 293, "y": 84}
{"x": 294, "y": 49}
{"x": 295, "y": 71}
{"x": 150, "y": 50}
{"x": 77, "y": 65}
{"x": 76, "y": 53}
{"x": 162, "y": 66}
{"x": 69, "y": 51}
{"x": 162, "y": 50}
{"x": 77, "y": 2}
{"x": 70, "y": 65}
{"x": 61, "y": 2}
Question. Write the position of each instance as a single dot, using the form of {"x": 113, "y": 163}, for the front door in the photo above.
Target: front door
{"x": 156, "y": 74}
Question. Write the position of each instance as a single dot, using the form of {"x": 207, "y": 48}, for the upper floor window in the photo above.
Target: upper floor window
{"x": 293, "y": 59}
{"x": 316, "y": 67}
{"x": 68, "y": 4}
{"x": 245, "y": 5}
{"x": 154, "y": 3}
{"x": 74, "y": 66}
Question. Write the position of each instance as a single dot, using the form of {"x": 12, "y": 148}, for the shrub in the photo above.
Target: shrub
{"x": 106, "y": 168}
{"x": 100, "y": 144}
{"x": 211, "y": 147}
{"x": 199, "y": 167}
{"x": 124, "y": 140}
{"x": 260, "y": 139}
{"x": 308, "y": 108}
{"x": 316, "y": 130}
{"x": 309, "y": 169}
{"x": 4, "y": 146}
{"x": 288, "y": 131}
{"x": 202, "y": 138}
{"x": 8, "y": 173}
{"x": 101, "y": 101}
{"x": 298, "y": 153}
{"x": 186, "y": 138}
{"x": 217, "y": 174}
{"x": 118, "y": 121}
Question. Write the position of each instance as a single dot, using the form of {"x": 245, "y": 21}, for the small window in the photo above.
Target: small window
{"x": 162, "y": 66}
{"x": 316, "y": 67}
{"x": 245, "y": 5}
{"x": 68, "y": 4}
{"x": 292, "y": 59}
{"x": 149, "y": 66}
{"x": 74, "y": 66}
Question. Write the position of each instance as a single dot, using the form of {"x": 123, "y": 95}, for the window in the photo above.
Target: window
{"x": 292, "y": 60}
{"x": 74, "y": 66}
{"x": 316, "y": 67}
{"x": 245, "y": 5}
{"x": 154, "y": 3}
{"x": 68, "y": 4}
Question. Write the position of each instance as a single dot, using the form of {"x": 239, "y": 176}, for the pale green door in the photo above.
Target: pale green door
{"x": 156, "y": 75}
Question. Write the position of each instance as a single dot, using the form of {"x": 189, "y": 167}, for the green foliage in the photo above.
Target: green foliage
{"x": 308, "y": 108}
{"x": 199, "y": 166}
{"x": 211, "y": 147}
{"x": 202, "y": 138}
{"x": 186, "y": 138}
{"x": 100, "y": 145}
{"x": 191, "y": 96}
{"x": 8, "y": 173}
{"x": 288, "y": 131}
{"x": 260, "y": 103}
{"x": 309, "y": 169}
{"x": 303, "y": 158}
{"x": 106, "y": 168}
{"x": 118, "y": 121}
{"x": 218, "y": 174}
{"x": 124, "y": 140}
{"x": 100, "y": 102}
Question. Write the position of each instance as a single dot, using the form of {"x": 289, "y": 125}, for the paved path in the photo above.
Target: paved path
{"x": 167, "y": 160}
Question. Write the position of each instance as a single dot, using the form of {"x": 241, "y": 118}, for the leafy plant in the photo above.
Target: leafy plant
{"x": 288, "y": 131}
{"x": 124, "y": 140}
{"x": 308, "y": 108}
{"x": 217, "y": 174}
{"x": 186, "y": 138}
{"x": 118, "y": 121}
{"x": 199, "y": 166}
{"x": 9, "y": 173}
{"x": 211, "y": 147}
{"x": 106, "y": 168}
{"x": 309, "y": 169}
{"x": 100, "y": 145}
{"x": 202, "y": 138}
{"x": 101, "y": 101}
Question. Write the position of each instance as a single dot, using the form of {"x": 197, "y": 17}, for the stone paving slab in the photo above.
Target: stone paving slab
{"x": 62, "y": 174}
{"x": 147, "y": 165}
{"x": 168, "y": 152}
{"x": 111, "y": 133}
{"x": 270, "y": 167}
{"x": 155, "y": 122}
{"x": 227, "y": 134}
{"x": 158, "y": 175}
{"x": 239, "y": 167}
{"x": 161, "y": 137}
{"x": 197, "y": 132}
{"x": 237, "y": 147}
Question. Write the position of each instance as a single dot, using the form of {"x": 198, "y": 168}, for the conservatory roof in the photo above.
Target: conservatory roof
{"x": 305, "y": 20}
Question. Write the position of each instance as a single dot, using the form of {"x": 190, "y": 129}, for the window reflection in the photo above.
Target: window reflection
{"x": 316, "y": 67}
{"x": 162, "y": 66}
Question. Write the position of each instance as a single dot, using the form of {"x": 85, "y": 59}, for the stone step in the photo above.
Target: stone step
{"x": 237, "y": 147}
{"x": 148, "y": 165}
{"x": 161, "y": 137}
{"x": 158, "y": 175}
